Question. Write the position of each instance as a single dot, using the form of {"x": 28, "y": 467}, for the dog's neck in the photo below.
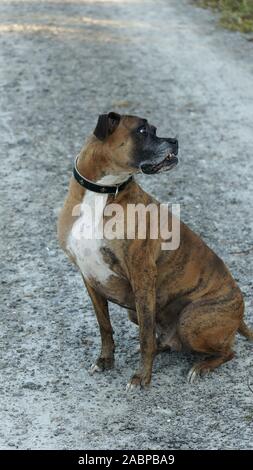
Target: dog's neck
{"x": 111, "y": 180}
{"x": 99, "y": 173}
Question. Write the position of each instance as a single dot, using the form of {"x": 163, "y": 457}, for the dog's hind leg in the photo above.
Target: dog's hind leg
{"x": 245, "y": 331}
{"x": 209, "y": 326}
{"x": 206, "y": 366}
{"x": 106, "y": 357}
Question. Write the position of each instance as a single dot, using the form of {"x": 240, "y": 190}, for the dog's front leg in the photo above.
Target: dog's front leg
{"x": 144, "y": 285}
{"x": 106, "y": 357}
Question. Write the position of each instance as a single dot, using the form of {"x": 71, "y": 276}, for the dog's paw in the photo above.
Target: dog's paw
{"x": 195, "y": 372}
{"x": 101, "y": 364}
{"x": 192, "y": 375}
{"x": 94, "y": 368}
{"x": 138, "y": 382}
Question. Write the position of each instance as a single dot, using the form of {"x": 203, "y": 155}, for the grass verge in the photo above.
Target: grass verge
{"x": 236, "y": 15}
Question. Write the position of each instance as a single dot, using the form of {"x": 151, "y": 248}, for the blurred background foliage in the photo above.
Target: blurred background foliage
{"x": 235, "y": 14}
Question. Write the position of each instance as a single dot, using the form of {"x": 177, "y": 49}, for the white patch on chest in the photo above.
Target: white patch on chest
{"x": 83, "y": 242}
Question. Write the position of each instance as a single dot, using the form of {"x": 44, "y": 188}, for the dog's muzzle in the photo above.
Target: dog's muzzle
{"x": 165, "y": 165}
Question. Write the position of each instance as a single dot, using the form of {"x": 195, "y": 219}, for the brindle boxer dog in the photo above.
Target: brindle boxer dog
{"x": 185, "y": 298}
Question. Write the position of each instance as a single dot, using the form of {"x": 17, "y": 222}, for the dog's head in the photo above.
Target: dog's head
{"x": 131, "y": 145}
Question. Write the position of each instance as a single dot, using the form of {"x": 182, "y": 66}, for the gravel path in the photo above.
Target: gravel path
{"x": 62, "y": 62}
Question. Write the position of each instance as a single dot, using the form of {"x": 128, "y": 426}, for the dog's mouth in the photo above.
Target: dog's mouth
{"x": 167, "y": 164}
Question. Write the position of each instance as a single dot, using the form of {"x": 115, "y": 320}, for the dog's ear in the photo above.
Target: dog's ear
{"x": 106, "y": 125}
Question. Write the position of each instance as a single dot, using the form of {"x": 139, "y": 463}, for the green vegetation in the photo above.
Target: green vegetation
{"x": 249, "y": 417}
{"x": 235, "y": 14}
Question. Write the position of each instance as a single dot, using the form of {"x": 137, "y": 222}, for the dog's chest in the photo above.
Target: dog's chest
{"x": 85, "y": 242}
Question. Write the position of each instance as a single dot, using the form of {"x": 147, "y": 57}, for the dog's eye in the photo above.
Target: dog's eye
{"x": 142, "y": 130}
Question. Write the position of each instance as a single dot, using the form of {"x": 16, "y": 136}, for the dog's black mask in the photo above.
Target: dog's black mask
{"x": 151, "y": 153}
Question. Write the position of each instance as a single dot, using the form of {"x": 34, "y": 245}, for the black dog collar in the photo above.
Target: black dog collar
{"x": 98, "y": 188}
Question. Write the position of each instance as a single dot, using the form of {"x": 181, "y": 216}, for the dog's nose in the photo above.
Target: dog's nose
{"x": 173, "y": 141}
{"x": 174, "y": 144}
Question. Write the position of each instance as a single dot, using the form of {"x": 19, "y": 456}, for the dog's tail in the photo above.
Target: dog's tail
{"x": 244, "y": 330}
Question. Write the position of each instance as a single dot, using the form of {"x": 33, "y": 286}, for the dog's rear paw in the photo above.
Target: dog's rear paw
{"x": 196, "y": 371}
{"x": 138, "y": 381}
{"x": 101, "y": 364}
